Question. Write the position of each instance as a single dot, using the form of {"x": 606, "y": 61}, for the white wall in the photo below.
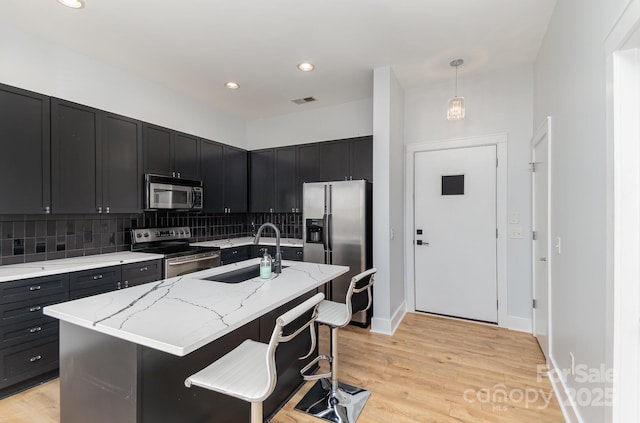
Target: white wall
{"x": 388, "y": 200}
{"x": 495, "y": 103}
{"x": 30, "y": 62}
{"x": 571, "y": 86}
{"x": 347, "y": 120}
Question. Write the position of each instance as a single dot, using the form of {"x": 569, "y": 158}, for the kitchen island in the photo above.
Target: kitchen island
{"x": 124, "y": 355}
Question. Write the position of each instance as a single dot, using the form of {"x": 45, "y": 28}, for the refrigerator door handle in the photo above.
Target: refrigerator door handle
{"x": 328, "y": 231}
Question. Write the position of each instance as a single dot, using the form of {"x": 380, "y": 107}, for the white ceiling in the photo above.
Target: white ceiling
{"x": 195, "y": 46}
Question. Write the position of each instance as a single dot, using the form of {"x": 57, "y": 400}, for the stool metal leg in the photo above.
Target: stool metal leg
{"x": 332, "y": 400}
{"x": 256, "y": 412}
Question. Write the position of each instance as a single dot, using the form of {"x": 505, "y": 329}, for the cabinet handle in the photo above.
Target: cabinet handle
{"x": 234, "y": 252}
{"x": 173, "y": 174}
{"x": 126, "y": 284}
{"x": 36, "y": 329}
{"x": 35, "y": 358}
{"x": 95, "y": 278}
{"x": 179, "y": 175}
{"x": 118, "y": 285}
{"x": 36, "y": 308}
{"x": 106, "y": 210}
{"x": 144, "y": 269}
{"x": 47, "y": 209}
{"x": 99, "y": 209}
{"x": 35, "y": 288}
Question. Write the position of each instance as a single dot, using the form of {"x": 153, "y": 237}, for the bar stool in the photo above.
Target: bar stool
{"x": 249, "y": 371}
{"x": 330, "y": 399}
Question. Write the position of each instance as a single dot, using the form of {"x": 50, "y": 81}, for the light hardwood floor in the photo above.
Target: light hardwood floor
{"x": 432, "y": 370}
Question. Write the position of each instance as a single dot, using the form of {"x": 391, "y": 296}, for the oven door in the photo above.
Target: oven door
{"x": 185, "y": 265}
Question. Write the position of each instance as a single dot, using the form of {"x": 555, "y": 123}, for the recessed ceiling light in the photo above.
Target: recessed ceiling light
{"x": 306, "y": 67}
{"x": 232, "y": 85}
{"x": 74, "y": 4}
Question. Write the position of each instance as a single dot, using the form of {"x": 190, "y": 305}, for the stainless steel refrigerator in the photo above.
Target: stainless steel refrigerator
{"x": 337, "y": 230}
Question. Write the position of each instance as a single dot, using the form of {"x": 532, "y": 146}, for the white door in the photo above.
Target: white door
{"x": 540, "y": 224}
{"x": 455, "y": 232}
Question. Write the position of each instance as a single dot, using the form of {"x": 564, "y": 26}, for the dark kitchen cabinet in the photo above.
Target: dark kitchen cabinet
{"x": 170, "y": 153}
{"x": 361, "y": 158}
{"x": 157, "y": 144}
{"x": 235, "y": 179}
{"x": 186, "y": 156}
{"x": 224, "y": 177}
{"x": 308, "y": 168}
{"x": 94, "y": 281}
{"x": 211, "y": 163}
{"x": 140, "y": 273}
{"x": 122, "y": 164}
{"x": 347, "y": 159}
{"x": 28, "y": 338}
{"x": 25, "y": 145}
{"x": 286, "y": 181}
{"x": 76, "y": 168}
{"x": 261, "y": 181}
{"x": 234, "y": 254}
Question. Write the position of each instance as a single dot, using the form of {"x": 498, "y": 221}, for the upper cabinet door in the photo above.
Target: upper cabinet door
{"x": 235, "y": 180}
{"x": 361, "y": 158}
{"x": 157, "y": 146}
{"x": 122, "y": 164}
{"x": 212, "y": 170}
{"x": 186, "y": 156}
{"x": 286, "y": 185}
{"x": 75, "y": 158}
{"x": 261, "y": 182}
{"x": 25, "y": 146}
{"x": 334, "y": 160}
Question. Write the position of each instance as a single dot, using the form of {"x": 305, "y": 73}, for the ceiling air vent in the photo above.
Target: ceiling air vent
{"x": 304, "y": 100}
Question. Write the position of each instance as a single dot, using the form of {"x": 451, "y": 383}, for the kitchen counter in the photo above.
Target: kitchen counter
{"x": 248, "y": 240}
{"x": 180, "y": 315}
{"x": 12, "y": 272}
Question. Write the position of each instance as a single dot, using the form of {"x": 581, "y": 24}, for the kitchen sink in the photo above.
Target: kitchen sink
{"x": 238, "y": 275}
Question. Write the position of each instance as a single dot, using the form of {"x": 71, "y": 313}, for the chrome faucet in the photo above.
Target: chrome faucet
{"x": 277, "y": 262}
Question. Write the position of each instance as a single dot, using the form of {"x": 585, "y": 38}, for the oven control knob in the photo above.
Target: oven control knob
{"x": 146, "y": 234}
{"x": 138, "y": 235}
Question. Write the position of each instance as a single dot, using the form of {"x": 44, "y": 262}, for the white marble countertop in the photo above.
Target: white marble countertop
{"x": 248, "y": 240}
{"x": 181, "y": 314}
{"x": 11, "y": 272}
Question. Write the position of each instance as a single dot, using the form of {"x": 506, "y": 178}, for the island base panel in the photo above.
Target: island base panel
{"x": 98, "y": 377}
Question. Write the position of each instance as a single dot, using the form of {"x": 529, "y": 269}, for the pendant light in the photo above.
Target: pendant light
{"x": 456, "y": 104}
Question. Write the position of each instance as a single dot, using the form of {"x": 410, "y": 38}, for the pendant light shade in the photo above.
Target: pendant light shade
{"x": 455, "y": 110}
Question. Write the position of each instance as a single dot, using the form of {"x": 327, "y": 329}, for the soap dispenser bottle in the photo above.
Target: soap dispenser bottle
{"x": 265, "y": 266}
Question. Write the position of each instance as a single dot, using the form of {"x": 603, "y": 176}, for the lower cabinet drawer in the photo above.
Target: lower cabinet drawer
{"x": 95, "y": 277}
{"x": 28, "y": 360}
{"x": 27, "y": 310}
{"x": 30, "y": 330}
{"x": 292, "y": 253}
{"x": 234, "y": 255}
{"x": 91, "y": 290}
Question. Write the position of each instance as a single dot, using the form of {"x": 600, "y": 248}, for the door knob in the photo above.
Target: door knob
{"x": 543, "y": 259}
{"x": 420, "y": 242}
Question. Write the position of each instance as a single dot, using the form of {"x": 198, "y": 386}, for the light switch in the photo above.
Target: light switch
{"x": 558, "y": 245}
{"x": 515, "y": 233}
{"x": 514, "y": 218}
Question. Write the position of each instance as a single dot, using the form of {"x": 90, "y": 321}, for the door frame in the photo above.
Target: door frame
{"x": 500, "y": 141}
{"x": 623, "y": 215}
{"x": 543, "y": 131}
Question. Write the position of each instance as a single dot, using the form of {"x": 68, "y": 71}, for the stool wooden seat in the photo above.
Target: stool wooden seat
{"x": 249, "y": 371}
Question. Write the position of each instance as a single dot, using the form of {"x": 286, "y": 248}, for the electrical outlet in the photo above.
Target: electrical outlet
{"x": 514, "y": 218}
{"x": 515, "y": 233}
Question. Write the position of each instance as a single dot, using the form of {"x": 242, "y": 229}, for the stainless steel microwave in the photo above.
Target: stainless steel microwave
{"x": 164, "y": 192}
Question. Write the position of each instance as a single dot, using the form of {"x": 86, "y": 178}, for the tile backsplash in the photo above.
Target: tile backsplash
{"x": 28, "y": 238}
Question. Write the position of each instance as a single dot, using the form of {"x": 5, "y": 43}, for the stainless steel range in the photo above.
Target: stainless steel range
{"x": 180, "y": 258}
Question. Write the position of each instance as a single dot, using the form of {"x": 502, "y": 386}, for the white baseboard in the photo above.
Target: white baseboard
{"x": 561, "y": 390}
{"x": 520, "y": 324}
{"x": 389, "y": 326}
